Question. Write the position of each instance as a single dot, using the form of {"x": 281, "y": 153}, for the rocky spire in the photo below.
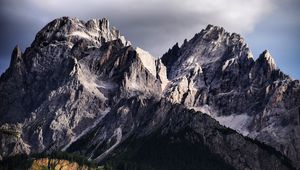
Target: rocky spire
{"x": 16, "y": 57}
{"x": 104, "y": 24}
{"x": 264, "y": 69}
{"x": 212, "y": 32}
{"x": 170, "y": 57}
{"x": 266, "y": 60}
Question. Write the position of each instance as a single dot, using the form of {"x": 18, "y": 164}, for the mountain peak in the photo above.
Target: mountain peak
{"x": 267, "y": 60}
{"x": 105, "y": 22}
{"x": 212, "y": 33}
{"x": 102, "y": 24}
{"x": 211, "y": 27}
{"x": 209, "y": 48}
{"x": 170, "y": 57}
{"x": 69, "y": 31}
{"x": 265, "y": 69}
{"x": 16, "y": 56}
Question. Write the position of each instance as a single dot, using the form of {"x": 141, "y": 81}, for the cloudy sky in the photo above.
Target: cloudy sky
{"x": 155, "y": 25}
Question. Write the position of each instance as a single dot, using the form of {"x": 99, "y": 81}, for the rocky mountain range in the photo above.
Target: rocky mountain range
{"x": 81, "y": 87}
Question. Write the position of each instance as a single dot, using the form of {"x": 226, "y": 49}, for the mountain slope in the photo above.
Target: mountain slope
{"x": 186, "y": 139}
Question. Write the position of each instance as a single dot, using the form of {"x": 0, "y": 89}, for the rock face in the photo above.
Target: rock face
{"x": 215, "y": 73}
{"x": 81, "y": 87}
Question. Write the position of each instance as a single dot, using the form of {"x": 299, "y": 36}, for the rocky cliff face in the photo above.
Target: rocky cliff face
{"x": 81, "y": 87}
{"x": 215, "y": 73}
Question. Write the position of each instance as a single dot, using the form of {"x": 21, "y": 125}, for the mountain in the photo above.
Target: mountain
{"x": 215, "y": 73}
{"x": 82, "y": 88}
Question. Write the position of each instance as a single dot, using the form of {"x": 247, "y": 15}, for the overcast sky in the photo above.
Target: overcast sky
{"x": 156, "y": 25}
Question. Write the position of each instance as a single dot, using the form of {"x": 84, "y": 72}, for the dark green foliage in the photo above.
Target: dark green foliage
{"x": 183, "y": 150}
{"x": 272, "y": 151}
{"x": 226, "y": 131}
{"x": 18, "y": 162}
{"x": 72, "y": 157}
